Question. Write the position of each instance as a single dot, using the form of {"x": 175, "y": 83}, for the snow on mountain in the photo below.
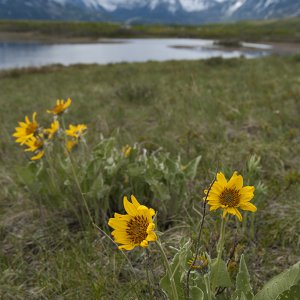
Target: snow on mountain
{"x": 187, "y": 5}
{"x": 60, "y": 1}
{"x": 234, "y": 7}
{"x": 158, "y": 11}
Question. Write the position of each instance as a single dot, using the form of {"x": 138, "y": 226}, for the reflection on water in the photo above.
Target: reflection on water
{"x": 20, "y": 54}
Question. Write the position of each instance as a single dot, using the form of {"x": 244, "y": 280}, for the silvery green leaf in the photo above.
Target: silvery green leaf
{"x": 279, "y": 284}
{"x": 196, "y": 293}
{"x": 243, "y": 286}
{"x": 219, "y": 274}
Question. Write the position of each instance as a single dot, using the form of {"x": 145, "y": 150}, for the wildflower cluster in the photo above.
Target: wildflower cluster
{"x": 136, "y": 228}
{"x": 36, "y": 138}
{"x": 194, "y": 272}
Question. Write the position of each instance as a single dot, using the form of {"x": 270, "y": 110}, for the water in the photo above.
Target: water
{"x": 34, "y": 54}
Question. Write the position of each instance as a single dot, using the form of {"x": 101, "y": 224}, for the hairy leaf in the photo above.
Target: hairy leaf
{"x": 219, "y": 274}
{"x": 243, "y": 286}
{"x": 279, "y": 284}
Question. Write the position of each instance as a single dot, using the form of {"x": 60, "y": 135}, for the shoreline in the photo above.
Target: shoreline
{"x": 31, "y": 37}
{"x": 279, "y": 48}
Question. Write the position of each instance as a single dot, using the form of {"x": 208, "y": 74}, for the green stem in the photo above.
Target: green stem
{"x": 76, "y": 177}
{"x": 207, "y": 284}
{"x": 50, "y": 164}
{"x": 147, "y": 273}
{"x": 220, "y": 245}
{"x": 169, "y": 271}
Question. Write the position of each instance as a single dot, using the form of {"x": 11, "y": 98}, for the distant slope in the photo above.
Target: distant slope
{"x": 149, "y": 11}
{"x": 284, "y": 30}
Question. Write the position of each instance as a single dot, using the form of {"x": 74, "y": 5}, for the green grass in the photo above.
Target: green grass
{"x": 286, "y": 30}
{"x": 224, "y": 110}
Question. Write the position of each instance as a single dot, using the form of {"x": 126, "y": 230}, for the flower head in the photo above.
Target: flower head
{"x": 70, "y": 144}
{"x": 26, "y": 129}
{"x": 126, "y": 150}
{"x": 76, "y": 131}
{"x": 35, "y": 144}
{"x": 200, "y": 264}
{"x": 38, "y": 156}
{"x": 60, "y": 107}
{"x": 230, "y": 195}
{"x": 50, "y": 132}
{"x": 136, "y": 228}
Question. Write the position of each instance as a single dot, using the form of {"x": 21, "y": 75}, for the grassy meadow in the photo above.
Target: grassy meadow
{"x": 286, "y": 30}
{"x": 236, "y": 114}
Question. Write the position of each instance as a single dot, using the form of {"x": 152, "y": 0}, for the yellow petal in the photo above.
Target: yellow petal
{"x": 246, "y": 197}
{"x": 231, "y": 210}
{"x": 68, "y": 103}
{"x": 215, "y": 192}
{"x": 126, "y": 247}
{"x": 236, "y": 181}
{"x": 121, "y": 236}
{"x": 34, "y": 117}
{"x": 117, "y": 223}
{"x": 235, "y": 212}
{"x": 150, "y": 227}
{"x": 38, "y": 156}
{"x": 22, "y": 124}
{"x": 151, "y": 237}
{"x": 129, "y": 207}
{"x": 221, "y": 179}
{"x": 142, "y": 208}
{"x": 151, "y": 212}
{"x": 247, "y": 190}
{"x": 213, "y": 197}
{"x": 123, "y": 217}
{"x": 144, "y": 244}
{"x": 214, "y": 207}
{"x": 217, "y": 187}
{"x": 134, "y": 201}
{"x": 248, "y": 206}
{"x": 214, "y": 203}
{"x": 122, "y": 239}
{"x": 238, "y": 214}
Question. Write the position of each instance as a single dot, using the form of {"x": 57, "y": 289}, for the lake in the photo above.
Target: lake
{"x": 35, "y": 54}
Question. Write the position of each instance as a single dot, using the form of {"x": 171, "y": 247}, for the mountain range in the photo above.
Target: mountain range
{"x": 149, "y": 11}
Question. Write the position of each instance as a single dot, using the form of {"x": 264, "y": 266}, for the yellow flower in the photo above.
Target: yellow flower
{"x": 34, "y": 143}
{"x": 200, "y": 265}
{"x": 230, "y": 195}
{"x": 50, "y": 132}
{"x": 231, "y": 266}
{"x": 76, "y": 131}
{"x": 26, "y": 130}
{"x": 70, "y": 144}
{"x": 126, "y": 150}
{"x": 136, "y": 228}
{"x": 38, "y": 156}
{"x": 60, "y": 107}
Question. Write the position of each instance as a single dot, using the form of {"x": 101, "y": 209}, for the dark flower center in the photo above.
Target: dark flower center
{"x": 230, "y": 197}
{"x": 137, "y": 229}
{"x": 31, "y": 128}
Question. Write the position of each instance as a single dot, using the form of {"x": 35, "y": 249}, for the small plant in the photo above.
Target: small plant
{"x": 91, "y": 177}
{"x": 39, "y": 139}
